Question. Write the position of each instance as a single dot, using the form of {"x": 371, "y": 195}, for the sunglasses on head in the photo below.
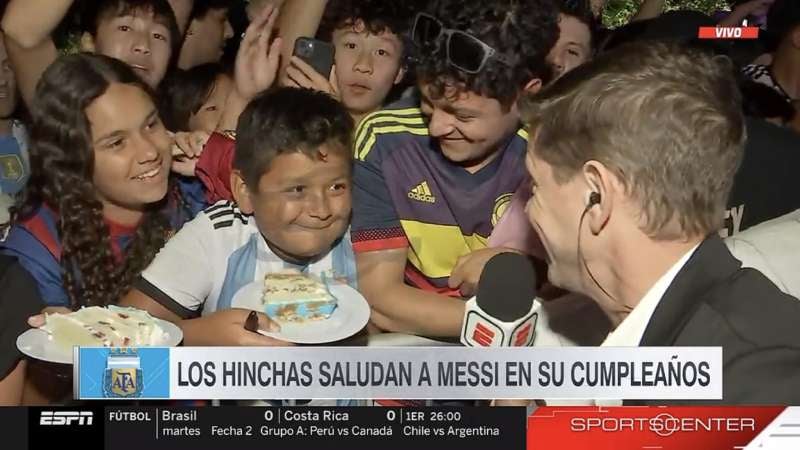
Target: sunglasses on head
{"x": 463, "y": 50}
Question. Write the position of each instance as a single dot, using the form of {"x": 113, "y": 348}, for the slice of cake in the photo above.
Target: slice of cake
{"x": 113, "y": 326}
{"x": 294, "y": 297}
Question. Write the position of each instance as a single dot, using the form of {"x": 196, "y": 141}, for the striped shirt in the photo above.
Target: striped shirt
{"x": 406, "y": 194}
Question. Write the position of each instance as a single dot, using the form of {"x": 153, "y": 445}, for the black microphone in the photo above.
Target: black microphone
{"x": 503, "y": 313}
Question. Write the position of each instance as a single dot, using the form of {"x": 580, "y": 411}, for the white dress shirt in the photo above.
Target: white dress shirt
{"x": 629, "y": 333}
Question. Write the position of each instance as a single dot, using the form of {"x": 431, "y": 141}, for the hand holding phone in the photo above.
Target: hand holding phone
{"x": 317, "y": 54}
{"x": 312, "y": 66}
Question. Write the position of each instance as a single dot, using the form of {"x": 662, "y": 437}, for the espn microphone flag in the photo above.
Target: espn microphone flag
{"x": 503, "y": 313}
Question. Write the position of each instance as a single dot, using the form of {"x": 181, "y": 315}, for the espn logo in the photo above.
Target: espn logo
{"x": 482, "y": 335}
{"x": 522, "y": 336}
{"x": 66, "y": 418}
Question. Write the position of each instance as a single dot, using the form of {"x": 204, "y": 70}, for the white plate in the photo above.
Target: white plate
{"x": 349, "y": 317}
{"x": 37, "y": 344}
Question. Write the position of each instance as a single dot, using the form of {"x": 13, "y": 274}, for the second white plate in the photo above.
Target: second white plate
{"x": 37, "y": 344}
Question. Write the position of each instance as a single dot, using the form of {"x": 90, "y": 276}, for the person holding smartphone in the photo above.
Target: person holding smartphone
{"x": 367, "y": 42}
{"x": 360, "y": 59}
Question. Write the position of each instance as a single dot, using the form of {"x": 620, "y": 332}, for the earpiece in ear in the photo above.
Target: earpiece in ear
{"x": 594, "y": 199}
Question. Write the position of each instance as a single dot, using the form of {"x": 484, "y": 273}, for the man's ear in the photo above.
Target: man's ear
{"x": 533, "y": 86}
{"x": 241, "y": 194}
{"x": 600, "y": 180}
{"x": 87, "y": 42}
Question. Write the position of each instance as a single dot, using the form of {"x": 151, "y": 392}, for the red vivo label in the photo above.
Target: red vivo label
{"x": 647, "y": 427}
{"x": 728, "y": 33}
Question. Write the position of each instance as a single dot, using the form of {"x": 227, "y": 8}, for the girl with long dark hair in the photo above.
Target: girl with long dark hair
{"x": 99, "y": 203}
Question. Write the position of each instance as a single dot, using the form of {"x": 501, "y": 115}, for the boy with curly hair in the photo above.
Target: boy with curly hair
{"x": 432, "y": 179}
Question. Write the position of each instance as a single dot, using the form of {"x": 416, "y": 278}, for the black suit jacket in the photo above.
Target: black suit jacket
{"x": 19, "y": 299}
{"x": 713, "y": 301}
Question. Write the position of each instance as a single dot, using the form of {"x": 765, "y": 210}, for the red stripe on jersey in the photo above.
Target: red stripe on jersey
{"x": 38, "y": 228}
{"x": 383, "y": 244}
{"x": 372, "y": 240}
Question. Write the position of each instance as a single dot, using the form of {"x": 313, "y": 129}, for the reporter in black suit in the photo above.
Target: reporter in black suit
{"x": 714, "y": 301}
{"x": 633, "y": 157}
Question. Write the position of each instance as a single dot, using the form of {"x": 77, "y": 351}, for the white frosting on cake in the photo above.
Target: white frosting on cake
{"x": 108, "y": 327}
{"x": 293, "y": 288}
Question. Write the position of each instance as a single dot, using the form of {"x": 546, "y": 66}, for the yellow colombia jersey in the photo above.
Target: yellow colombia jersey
{"x": 407, "y": 194}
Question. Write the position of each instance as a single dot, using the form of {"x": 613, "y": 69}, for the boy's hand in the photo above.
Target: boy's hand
{"x": 301, "y": 74}
{"x": 226, "y": 328}
{"x": 468, "y": 269}
{"x": 186, "y": 150}
{"x": 257, "y": 59}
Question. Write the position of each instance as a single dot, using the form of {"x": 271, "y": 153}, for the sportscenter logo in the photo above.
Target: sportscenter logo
{"x": 663, "y": 424}
{"x": 66, "y": 418}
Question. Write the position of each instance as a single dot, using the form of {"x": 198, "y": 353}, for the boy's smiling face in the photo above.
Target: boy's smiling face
{"x": 301, "y": 204}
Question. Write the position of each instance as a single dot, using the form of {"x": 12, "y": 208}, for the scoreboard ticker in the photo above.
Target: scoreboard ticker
{"x": 243, "y": 427}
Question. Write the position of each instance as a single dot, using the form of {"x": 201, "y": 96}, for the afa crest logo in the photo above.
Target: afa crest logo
{"x": 11, "y": 168}
{"x": 123, "y": 375}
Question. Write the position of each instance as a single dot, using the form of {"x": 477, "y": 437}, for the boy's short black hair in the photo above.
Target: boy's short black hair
{"x": 202, "y": 7}
{"x": 378, "y": 16}
{"x": 288, "y": 120}
{"x": 93, "y": 11}
{"x": 523, "y": 30}
{"x": 183, "y": 92}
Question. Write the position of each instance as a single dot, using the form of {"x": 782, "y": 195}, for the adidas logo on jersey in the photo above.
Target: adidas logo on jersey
{"x": 422, "y": 193}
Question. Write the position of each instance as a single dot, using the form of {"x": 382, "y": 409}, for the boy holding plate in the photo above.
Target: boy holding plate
{"x": 291, "y": 183}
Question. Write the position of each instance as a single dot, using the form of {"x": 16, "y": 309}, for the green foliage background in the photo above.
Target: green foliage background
{"x": 618, "y": 12}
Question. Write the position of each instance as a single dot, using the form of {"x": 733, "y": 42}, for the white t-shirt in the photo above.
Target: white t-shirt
{"x": 630, "y": 331}
{"x": 200, "y": 269}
